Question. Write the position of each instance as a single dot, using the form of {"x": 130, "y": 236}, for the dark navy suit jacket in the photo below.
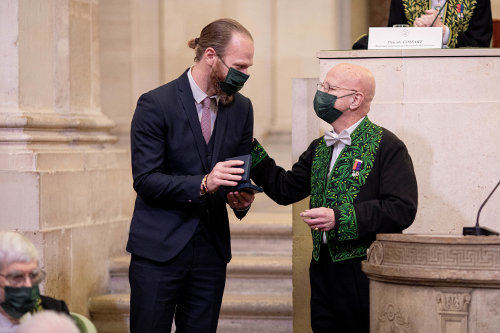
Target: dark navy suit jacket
{"x": 169, "y": 160}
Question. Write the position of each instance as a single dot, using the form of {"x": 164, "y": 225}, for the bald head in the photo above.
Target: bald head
{"x": 354, "y": 87}
{"x": 353, "y": 77}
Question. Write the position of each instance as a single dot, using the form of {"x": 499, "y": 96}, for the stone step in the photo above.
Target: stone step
{"x": 260, "y": 266}
{"x": 258, "y": 286}
{"x": 118, "y": 274}
{"x": 262, "y": 216}
{"x": 261, "y": 246}
{"x": 252, "y": 238}
{"x": 110, "y": 313}
{"x": 258, "y": 292}
{"x": 281, "y": 325}
{"x": 261, "y": 230}
{"x": 257, "y": 273}
{"x": 254, "y": 306}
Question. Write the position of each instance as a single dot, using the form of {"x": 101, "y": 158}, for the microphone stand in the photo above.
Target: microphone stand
{"x": 440, "y": 10}
{"x": 477, "y": 230}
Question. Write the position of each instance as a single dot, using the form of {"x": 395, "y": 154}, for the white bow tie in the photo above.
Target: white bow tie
{"x": 331, "y": 138}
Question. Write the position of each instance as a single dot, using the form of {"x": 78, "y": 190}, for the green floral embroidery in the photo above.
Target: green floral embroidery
{"x": 38, "y": 305}
{"x": 456, "y": 24}
{"x": 341, "y": 187}
{"x": 414, "y": 9}
{"x": 319, "y": 174}
{"x": 258, "y": 153}
{"x": 347, "y": 250}
{"x": 348, "y": 228}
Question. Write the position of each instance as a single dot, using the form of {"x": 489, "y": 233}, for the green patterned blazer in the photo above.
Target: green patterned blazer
{"x": 379, "y": 197}
{"x": 473, "y": 27}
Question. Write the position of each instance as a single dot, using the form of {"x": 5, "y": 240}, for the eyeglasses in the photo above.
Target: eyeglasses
{"x": 16, "y": 279}
{"x": 325, "y": 87}
{"x": 223, "y": 61}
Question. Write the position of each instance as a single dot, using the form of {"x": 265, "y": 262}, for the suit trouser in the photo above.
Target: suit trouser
{"x": 190, "y": 285}
{"x": 339, "y": 295}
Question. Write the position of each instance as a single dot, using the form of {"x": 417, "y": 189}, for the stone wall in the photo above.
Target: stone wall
{"x": 64, "y": 184}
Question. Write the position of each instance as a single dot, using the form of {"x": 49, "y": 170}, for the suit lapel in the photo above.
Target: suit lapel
{"x": 222, "y": 114}
{"x": 187, "y": 101}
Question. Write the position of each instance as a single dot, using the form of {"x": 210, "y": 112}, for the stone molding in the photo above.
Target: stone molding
{"x": 453, "y": 309}
{"x": 435, "y": 260}
{"x": 392, "y": 320}
{"x": 442, "y": 256}
{"x": 453, "y": 302}
{"x": 50, "y": 127}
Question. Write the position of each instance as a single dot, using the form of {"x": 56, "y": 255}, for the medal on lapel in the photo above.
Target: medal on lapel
{"x": 460, "y": 11}
{"x": 356, "y": 167}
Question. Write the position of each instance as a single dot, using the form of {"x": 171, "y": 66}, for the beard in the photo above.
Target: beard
{"x": 215, "y": 74}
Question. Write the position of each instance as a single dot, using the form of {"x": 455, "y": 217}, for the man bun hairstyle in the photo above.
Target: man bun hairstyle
{"x": 216, "y": 35}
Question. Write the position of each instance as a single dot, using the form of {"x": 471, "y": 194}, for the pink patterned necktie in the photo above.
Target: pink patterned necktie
{"x": 206, "y": 126}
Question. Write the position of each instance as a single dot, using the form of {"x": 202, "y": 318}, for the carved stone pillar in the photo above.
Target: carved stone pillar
{"x": 453, "y": 309}
{"x": 62, "y": 182}
{"x": 446, "y": 284}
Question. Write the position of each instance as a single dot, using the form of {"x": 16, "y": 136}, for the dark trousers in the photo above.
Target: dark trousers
{"x": 339, "y": 295}
{"x": 190, "y": 285}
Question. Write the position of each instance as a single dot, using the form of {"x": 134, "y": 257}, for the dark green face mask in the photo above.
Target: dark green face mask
{"x": 20, "y": 300}
{"x": 324, "y": 106}
{"x": 234, "y": 80}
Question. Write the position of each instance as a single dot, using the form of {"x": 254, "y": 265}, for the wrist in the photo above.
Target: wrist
{"x": 244, "y": 209}
{"x": 204, "y": 186}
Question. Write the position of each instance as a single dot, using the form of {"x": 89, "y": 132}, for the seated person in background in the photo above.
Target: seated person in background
{"x": 465, "y": 23}
{"x": 48, "y": 322}
{"x": 20, "y": 276}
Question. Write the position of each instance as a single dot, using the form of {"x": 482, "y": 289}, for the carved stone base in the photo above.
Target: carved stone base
{"x": 434, "y": 284}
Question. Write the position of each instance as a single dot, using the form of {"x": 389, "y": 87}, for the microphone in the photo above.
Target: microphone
{"x": 440, "y": 10}
{"x": 477, "y": 230}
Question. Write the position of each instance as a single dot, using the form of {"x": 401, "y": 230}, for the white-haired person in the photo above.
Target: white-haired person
{"x": 48, "y": 322}
{"x": 20, "y": 276}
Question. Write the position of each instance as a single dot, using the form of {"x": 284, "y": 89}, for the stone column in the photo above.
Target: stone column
{"x": 62, "y": 182}
{"x": 306, "y": 127}
{"x": 130, "y": 58}
{"x": 442, "y": 284}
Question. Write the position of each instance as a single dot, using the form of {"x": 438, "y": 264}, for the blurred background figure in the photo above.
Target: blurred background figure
{"x": 20, "y": 276}
{"x": 464, "y": 23}
{"x": 48, "y": 322}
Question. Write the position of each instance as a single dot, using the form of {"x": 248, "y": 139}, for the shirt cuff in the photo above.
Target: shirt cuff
{"x": 446, "y": 36}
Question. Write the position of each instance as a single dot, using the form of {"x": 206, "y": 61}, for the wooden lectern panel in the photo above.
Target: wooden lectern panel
{"x": 495, "y": 41}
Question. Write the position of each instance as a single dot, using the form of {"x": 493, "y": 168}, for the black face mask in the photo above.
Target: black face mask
{"x": 20, "y": 300}
{"x": 324, "y": 106}
{"x": 234, "y": 80}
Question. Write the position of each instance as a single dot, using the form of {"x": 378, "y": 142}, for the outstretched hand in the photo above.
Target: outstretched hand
{"x": 240, "y": 200}
{"x": 426, "y": 20}
{"x": 321, "y": 219}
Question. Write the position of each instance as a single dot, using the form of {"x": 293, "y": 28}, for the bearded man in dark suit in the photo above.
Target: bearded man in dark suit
{"x": 181, "y": 134}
